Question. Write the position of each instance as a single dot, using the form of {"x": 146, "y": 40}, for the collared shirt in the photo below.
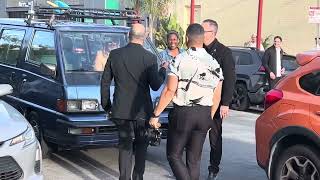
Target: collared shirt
{"x": 278, "y": 64}
{"x": 165, "y": 55}
{"x": 198, "y": 75}
{"x": 211, "y": 45}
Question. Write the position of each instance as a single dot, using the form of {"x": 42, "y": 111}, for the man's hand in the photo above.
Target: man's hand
{"x": 224, "y": 111}
{"x": 283, "y": 70}
{"x": 154, "y": 122}
{"x": 109, "y": 113}
{"x": 165, "y": 64}
{"x": 272, "y": 75}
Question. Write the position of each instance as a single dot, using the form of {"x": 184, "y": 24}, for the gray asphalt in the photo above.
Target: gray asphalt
{"x": 238, "y": 161}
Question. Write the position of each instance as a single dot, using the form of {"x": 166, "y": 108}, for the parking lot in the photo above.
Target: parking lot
{"x": 238, "y": 161}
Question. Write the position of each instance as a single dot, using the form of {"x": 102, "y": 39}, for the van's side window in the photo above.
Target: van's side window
{"x": 10, "y": 45}
{"x": 42, "y": 49}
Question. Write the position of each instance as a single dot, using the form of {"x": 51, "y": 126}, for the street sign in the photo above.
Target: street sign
{"x": 314, "y": 15}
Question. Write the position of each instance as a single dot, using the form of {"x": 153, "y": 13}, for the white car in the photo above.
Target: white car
{"x": 20, "y": 152}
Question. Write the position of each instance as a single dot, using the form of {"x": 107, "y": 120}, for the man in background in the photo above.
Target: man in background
{"x": 272, "y": 61}
{"x": 102, "y": 55}
{"x": 172, "y": 50}
{"x": 253, "y": 43}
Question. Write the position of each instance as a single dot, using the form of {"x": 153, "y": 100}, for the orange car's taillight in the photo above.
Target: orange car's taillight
{"x": 272, "y": 97}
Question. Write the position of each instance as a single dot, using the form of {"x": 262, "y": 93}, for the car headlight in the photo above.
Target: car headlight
{"x": 89, "y": 105}
{"x": 27, "y": 138}
{"x": 78, "y": 105}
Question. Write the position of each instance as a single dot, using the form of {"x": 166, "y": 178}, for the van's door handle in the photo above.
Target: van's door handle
{"x": 24, "y": 76}
{"x": 318, "y": 113}
{"x": 12, "y": 77}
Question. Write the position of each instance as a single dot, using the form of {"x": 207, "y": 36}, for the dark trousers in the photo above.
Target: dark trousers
{"x": 273, "y": 82}
{"x": 215, "y": 137}
{"x": 188, "y": 128}
{"x": 131, "y": 139}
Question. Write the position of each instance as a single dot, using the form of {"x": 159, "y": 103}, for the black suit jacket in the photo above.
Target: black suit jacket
{"x": 134, "y": 71}
{"x": 269, "y": 60}
{"x": 224, "y": 57}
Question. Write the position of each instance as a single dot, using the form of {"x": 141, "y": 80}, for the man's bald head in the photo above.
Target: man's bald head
{"x": 137, "y": 33}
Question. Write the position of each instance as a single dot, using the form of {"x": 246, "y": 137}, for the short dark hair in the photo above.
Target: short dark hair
{"x": 195, "y": 32}
{"x": 212, "y": 23}
{"x": 278, "y": 37}
{"x": 172, "y": 32}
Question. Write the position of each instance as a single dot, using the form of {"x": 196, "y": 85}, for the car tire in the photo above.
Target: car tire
{"x": 291, "y": 161}
{"x": 240, "y": 99}
{"x": 46, "y": 147}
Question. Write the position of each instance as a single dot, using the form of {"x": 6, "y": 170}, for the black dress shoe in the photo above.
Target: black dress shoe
{"x": 212, "y": 176}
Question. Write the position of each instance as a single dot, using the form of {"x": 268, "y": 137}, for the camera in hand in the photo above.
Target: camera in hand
{"x": 153, "y": 136}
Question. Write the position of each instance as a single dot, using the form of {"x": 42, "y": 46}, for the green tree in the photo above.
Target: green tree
{"x": 167, "y": 24}
{"x": 266, "y": 42}
{"x": 155, "y": 9}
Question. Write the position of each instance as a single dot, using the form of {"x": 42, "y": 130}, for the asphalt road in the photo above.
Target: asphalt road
{"x": 238, "y": 161}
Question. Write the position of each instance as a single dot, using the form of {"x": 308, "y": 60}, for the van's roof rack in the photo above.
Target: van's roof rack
{"x": 82, "y": 13}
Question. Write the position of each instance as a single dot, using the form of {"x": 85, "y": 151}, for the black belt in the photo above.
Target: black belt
{"x": 191, "y": 105}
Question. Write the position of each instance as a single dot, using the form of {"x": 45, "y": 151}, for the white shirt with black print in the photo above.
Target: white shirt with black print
{"x": 198, "y": 75}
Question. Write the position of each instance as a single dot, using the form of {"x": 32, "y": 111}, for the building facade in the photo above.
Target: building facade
{"x": 237, "y": 20}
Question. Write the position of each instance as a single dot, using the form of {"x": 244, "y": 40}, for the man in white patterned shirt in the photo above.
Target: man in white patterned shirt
{"x": 194, "y": 85}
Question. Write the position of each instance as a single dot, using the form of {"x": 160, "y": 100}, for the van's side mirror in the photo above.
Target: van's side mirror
{"x": 5, "y": 89}
{"x": 48, "y": 70}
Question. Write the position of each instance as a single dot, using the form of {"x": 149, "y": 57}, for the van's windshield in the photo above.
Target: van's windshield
{"x": 89, "y": 51}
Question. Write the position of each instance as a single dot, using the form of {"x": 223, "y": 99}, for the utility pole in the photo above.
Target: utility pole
{"x": 192, "y": 12}
{"x": 259, "y": 24}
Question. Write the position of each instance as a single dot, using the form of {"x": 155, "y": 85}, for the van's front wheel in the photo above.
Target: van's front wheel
{"x": 33, "y": 120}
{"x": 46, "y": 147}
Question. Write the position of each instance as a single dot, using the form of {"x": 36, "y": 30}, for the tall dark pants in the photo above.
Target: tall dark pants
{"x": 188, "y": 128}
{"x": 131, "y": 139}
{"x": 215, "y": 137}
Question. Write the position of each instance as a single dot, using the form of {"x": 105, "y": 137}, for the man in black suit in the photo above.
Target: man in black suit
{"x": 134, "y": 70}
{"x": 272, "y": 61}
{"x": 224, "y": 57}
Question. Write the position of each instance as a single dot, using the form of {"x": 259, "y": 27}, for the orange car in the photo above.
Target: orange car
{"x": 288, "y": 131}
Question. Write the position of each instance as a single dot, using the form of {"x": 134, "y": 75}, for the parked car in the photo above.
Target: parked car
{"x": 288, "y": 131}
{"x": 20, "y": 152}
{"x": 55, "y": 85}
{"x": 251, "y": 83}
